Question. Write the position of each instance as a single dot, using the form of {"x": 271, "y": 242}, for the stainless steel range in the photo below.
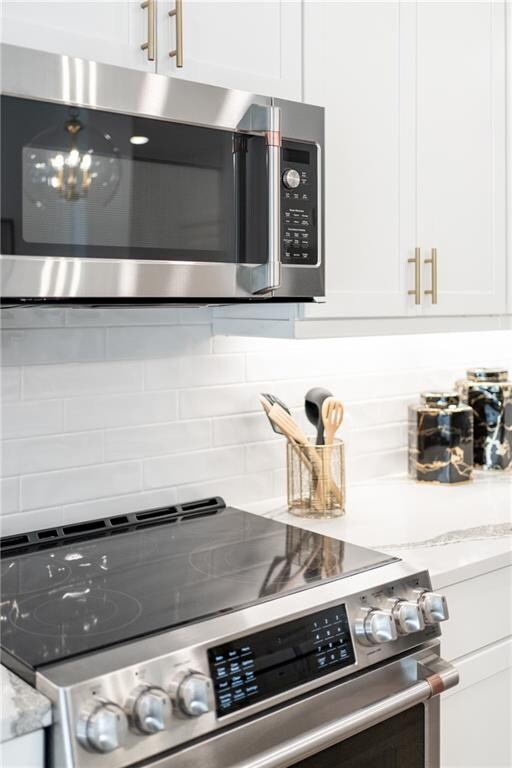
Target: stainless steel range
{"x": 202, "y": 635}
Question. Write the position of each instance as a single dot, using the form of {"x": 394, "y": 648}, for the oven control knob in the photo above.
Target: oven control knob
{"x": 408, "y": 617}
{"x": 291, "y": 178}
{"x": 378, "y": 626}
{"x": 149, "y": 708}
{"x": 193, "y": 693}
{"x": 103, "y": 727}
{"x": 433, "y": 607}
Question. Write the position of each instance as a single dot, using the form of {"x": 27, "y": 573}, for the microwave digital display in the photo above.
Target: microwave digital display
{"x": 277, "y": 659}
{"x": 295, "y": 156}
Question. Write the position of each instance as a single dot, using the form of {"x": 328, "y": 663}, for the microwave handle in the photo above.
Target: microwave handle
{"x": 266, "y": 121}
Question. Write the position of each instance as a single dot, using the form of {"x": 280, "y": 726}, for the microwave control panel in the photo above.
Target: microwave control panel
{"x": 299, "y": 204}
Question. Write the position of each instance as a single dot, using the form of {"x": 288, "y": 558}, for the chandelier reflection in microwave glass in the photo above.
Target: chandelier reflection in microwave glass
{"x": 67, "y": 161}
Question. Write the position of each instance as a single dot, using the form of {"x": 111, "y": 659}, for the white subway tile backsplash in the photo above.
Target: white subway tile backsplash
{"x": 243, "y": 398}
{"x": 69, "y": 485}
{"x": 184, "y": 468}
{"x": 119, "y": 505}
{"x": 132, "y": 316}
{"x": 82, "y": 379}
{"x": 368, "y": 413}
{"x": 137, "y": 316}
{"x": 160, "y": 341}
{"x": 156, "y": 439}
{"x": 42, "y": 454}
{"x": 194, "y": 315}
{"x": 10, "y": 381}
{"x": 236, "y": 491}
{"x": 120, "y": 410}
{"x": 9, "y": 495}
{"x": 359, "y": 442}
{"x": 52, "y": 345}
{"x": 34, "y": 520}
{"x": 262, "y": 457}
{"x": 242, "y": 429}
{"x": 29, "y": 418}
{"x": 194, "y": 371}
{"x": 109, "y": 411}
{"x": 379, "y": 464}
{"x": 32, "y": 317}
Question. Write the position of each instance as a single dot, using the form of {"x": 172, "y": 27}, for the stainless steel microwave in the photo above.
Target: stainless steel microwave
{"x": 123, "y": 186}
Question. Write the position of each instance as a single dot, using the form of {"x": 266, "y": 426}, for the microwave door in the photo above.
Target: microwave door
{"x": 253, "y": 197}
{"x": 102, "y": 205}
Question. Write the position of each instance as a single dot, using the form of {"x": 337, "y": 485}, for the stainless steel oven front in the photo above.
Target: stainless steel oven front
{"x": 119, "y": 185}
{"x": 384, "y": 717}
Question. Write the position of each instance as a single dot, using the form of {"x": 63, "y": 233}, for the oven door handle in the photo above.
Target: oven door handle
{"x": 266, "y": 121}
{"x": 432, "y": 680}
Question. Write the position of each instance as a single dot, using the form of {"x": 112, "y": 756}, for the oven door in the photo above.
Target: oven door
{"x": 126, "y": 186}
{"x": 383, "y": 718}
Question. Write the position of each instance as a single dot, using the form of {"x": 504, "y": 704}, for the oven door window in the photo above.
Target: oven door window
{"x": 86, "y": 183}
{"x": 395, "y": 743}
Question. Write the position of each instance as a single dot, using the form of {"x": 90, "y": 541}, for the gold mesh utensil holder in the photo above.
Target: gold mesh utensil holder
{"x": 316, "y": 480}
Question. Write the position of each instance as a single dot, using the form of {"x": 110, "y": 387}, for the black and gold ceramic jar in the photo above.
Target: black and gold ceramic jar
{"x": 489, "y": 393}
{"x": 441, "y": 439}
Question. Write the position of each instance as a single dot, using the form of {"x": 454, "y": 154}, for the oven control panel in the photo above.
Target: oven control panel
{"x": 277, "y": 659}
{"x": 299, "y": 204}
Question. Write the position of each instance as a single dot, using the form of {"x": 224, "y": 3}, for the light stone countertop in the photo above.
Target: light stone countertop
{"x": 22, "y": 708}
{"x": 457, "y": 532}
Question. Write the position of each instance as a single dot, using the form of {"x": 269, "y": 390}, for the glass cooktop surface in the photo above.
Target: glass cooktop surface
{"x": 86, "y": 594}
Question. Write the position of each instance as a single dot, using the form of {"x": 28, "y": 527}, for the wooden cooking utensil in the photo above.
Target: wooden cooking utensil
{"x": 332, "y": 417}
{"x": 267, "y": 400}
{"x": 303, "y": 448}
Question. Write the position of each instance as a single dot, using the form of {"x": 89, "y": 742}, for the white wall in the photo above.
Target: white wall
{"x": 108, "y": 411}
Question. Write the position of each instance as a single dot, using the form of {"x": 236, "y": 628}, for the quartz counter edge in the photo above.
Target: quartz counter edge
{"x": 23, "y": 709}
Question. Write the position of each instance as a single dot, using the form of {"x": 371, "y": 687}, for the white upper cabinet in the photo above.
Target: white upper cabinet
{"x": 415, "y": 154}
{"x": 352, "y": 67}
{"x": 460, "y": 154}
{"x": 108, "y": 31}
{"x": 248, "y": 45}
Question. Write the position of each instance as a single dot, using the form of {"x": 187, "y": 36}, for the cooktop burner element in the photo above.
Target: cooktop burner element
{"x": 75, "y": 612}
{"x": 92, "y": 593}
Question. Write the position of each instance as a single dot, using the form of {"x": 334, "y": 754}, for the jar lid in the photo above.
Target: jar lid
{"x": 487, "y": 374}
{"x": 441, "y": 399}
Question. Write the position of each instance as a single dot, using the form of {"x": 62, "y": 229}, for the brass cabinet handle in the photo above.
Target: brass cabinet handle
{"x": 178, "y": 51}
{"x": 416, "y": 291}
{"x": 433, "y": 262}
{"x": 150, "y": 45}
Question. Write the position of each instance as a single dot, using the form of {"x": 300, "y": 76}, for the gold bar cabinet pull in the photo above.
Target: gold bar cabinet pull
{"x": 416, "y": 291}
{"x": 178, "y": 51}
{"x": 433, "y": 262}
{"x": 150, "y": 45}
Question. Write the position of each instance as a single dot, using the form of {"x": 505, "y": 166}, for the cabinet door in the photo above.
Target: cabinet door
{"x": 353, "y": 65}
{"x": 108, "y": 31}
{"x": 460, "y": 108}
{"x": 247, "y": 45}
{"x": 476, "y": 715}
